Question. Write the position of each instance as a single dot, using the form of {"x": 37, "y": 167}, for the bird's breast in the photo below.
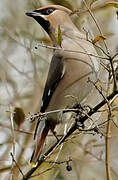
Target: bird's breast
{"x": 74, "y": 86}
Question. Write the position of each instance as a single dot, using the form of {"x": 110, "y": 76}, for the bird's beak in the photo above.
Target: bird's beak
{"x": 34, "y": 14}
{"x": 41, "y": 19}
{"x": 31, "y": 13}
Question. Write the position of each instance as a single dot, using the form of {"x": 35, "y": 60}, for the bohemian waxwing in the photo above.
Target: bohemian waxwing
{"x": 70, "y": 68}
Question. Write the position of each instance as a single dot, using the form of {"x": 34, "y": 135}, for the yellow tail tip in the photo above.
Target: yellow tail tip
{"x": 32, "y": 164}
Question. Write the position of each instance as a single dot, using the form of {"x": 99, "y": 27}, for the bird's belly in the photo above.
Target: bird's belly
{"x": 73, "y": 87}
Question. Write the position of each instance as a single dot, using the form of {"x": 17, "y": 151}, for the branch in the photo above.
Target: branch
{"x": 71, "y": 130}
{"x": 113, "y": 74}
{"x": 95, "y": 21}
{"x": 15, "y": 129}
{"x": 73, "y": 51}
{"x": 107, "y": 149}
{"x": 16, "y": 164}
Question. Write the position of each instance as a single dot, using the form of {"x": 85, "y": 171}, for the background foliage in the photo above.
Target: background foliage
{"x": 23, "y": 71}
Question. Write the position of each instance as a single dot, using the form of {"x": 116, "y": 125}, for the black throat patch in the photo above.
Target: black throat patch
{"x": 45, "y": 24}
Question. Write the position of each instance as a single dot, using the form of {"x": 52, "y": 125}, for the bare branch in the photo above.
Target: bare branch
{"x": 16, "y": 164}
{"x": 93, "y": 17}
{"x": 81, "y": 52}
{"x": 70, "y": 131}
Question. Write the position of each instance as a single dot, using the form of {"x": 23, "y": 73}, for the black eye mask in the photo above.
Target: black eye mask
{"x": 45, "y": 11}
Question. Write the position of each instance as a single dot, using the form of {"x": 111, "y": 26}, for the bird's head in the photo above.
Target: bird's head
{"x": 52, "y": 16}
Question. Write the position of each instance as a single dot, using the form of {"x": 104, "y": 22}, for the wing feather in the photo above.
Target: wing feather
{"x": 55, "y": 74}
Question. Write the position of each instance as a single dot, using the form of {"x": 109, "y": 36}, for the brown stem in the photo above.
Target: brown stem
{"x": 71, "y": 130}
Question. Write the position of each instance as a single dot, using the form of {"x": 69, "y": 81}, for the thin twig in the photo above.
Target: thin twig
{"x": 94, "y": 19}
{"x": 38, "y": 174}
{"x": 69, "y": 50}
{"x": 100, "y": 48}
{"x": 107, "y": 144}
{"x": 59, "y": 162}
{"x": 113, "y": 74}
{"x": 100, "y": 159}
{"x": 13, "y": 140}
{"x": 115, "y": 55}
{"x": 16, "y": 164}
{"x": 65, "y": 129}
{"x": 17, "y": 130}
{"x": 107, "y": 147}
{"x": 100, "y": 92}
{"x": 71, "y": 130}
{"x": 94, "y": 7}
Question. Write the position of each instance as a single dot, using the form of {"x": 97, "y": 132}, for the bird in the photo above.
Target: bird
{"x": 74, "y": 61}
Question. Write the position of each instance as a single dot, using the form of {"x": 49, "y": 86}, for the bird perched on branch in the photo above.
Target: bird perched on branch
{"x": 73, "y": 62}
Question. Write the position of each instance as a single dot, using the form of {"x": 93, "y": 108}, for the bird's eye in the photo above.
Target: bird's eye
{"x": 45, "y": 11}
{"x": 49, "y": 11}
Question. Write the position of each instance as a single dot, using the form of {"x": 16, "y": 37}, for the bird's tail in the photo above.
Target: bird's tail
{"x": 43, "y": 131}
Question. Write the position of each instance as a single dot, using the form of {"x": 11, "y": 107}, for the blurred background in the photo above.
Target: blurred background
{"x": 23, "y": 71}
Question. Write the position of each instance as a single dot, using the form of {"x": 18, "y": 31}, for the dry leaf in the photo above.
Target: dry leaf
{"x": 98, "y": 38}
{"x": 19, "y": 116}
